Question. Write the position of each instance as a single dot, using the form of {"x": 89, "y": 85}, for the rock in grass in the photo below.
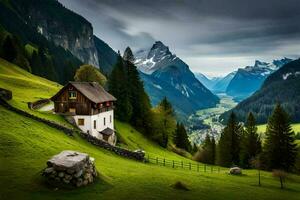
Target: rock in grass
{"x": 49, "y": 170}
{"x": 235, "y": 171}
{"x": 180, "y": 186}
{"x": 70, "y": 168}
{"x": 61, "y": 174}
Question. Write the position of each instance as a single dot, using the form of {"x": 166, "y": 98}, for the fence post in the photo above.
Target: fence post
{"x": 156, "y": 160}
{"x": 164, "y": 162}
{"x": 181, "y": 164}
{"x": 190, "y": 166}
{"x": 173, "y": 163}
{"x": 197, "y": 167}
{"x": 204, "y": 168}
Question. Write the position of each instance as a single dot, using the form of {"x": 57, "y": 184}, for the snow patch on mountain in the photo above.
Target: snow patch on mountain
{"x": 285, "y": 76}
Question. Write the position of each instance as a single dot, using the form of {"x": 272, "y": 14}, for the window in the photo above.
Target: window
{"x": 72, "y": 94}
{"x": 80, "y": 122}
{"x": 104, "y": 121}
{"x": 110, "y": 119}
{"x": 95, "y": 124}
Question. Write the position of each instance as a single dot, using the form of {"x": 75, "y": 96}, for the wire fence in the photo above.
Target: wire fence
{"x": 184, "y": 165}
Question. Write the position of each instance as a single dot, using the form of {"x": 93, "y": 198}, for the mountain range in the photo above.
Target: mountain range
{"x": 245, "y": 81}
{"x": 249, "y": 79}
{"x": 209, "y": 83}
{"x": 282, "y": 86}
{"x": 216, "y": 84}
{"x": 68, "y": 41}
{"x": 165, "y": 74}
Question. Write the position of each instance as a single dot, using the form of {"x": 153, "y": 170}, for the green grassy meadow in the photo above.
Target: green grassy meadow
{"x": 26, "y": 145}
{"x": 262, "y": 128}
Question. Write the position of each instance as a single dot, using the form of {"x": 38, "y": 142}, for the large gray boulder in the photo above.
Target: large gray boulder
{"x": 235, "y": 171}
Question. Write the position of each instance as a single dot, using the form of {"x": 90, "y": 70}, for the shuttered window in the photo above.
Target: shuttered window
{"x": 72, "y": 94}
{"x": 80, "y": 122}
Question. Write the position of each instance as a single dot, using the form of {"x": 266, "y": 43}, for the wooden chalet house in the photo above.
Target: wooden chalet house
{"x": 91, "y": 107}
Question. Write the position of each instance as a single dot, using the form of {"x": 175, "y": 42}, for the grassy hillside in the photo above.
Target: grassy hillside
{"x": 27, "y": 88}
{"x": 262, "y": 128}
{"x": 25, "y": 146}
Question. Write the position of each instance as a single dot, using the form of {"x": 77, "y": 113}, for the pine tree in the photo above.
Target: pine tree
{"x": 280, "y": 149}
{"x": 35, "y": 63}
{"x": 167, "y": 107}
{"x": 118, "y": 86}
{"x": 207, "y": 152}
{"x": 251, "y": 144}
{"x": 181, "y": 138}
{"x": 213, "y": 150}
{"x": 229, "y": 143}
{"x": 141, "y": 107}
{"x": 9, "y": 51}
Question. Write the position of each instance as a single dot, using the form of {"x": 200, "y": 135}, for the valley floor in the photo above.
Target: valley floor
{"x": 210, "y": 117}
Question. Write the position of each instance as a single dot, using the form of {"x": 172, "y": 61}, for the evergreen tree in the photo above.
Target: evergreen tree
{"x": 167, "y": 108}
{"x": 35, "y": 63}
{"x": 118, "y": 86}
{"x": 181, "y": 138}
{"x": 9, "y": 51}
{"x": 207, "y": 151}
{"x": 280, "y": 149}
{"x": 213, "y": 150}
{"x": 141, "y": 107}
{"x": 251, "y": 144}
{"x": 229, "y": 143}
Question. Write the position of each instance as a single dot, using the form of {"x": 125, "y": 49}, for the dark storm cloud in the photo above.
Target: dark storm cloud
{"x": 197, "y": 30}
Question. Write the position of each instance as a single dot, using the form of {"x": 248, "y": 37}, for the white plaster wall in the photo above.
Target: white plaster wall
{"x": 89, "y": 123}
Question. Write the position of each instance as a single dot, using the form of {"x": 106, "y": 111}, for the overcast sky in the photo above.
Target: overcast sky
{"x": 214, "y": 37}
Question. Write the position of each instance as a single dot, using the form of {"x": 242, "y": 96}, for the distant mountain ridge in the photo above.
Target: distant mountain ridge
{"x": 207, "y": 82}
{"x": 282, "y": 86}
{"x": 164, "y": 74}
{"x": 249, "y": 79}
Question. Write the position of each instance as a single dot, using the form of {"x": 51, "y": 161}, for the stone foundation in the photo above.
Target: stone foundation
{"x": 71, "y": 168}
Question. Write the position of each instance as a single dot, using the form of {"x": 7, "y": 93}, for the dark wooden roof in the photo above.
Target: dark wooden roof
{"x": 91, "y": 90}
{"x": 107, "y": 131}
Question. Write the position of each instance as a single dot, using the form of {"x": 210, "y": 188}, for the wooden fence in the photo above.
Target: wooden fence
{"x": 184, "y": 165}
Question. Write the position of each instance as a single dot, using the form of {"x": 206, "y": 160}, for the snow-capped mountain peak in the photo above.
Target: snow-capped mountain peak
{"x": 150, "y": 60}
{"x": 260, "y": 64}
{"x": 166, "y": 75}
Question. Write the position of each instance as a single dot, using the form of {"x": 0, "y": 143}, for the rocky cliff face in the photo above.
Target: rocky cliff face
{"x": 63, "y": 27}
